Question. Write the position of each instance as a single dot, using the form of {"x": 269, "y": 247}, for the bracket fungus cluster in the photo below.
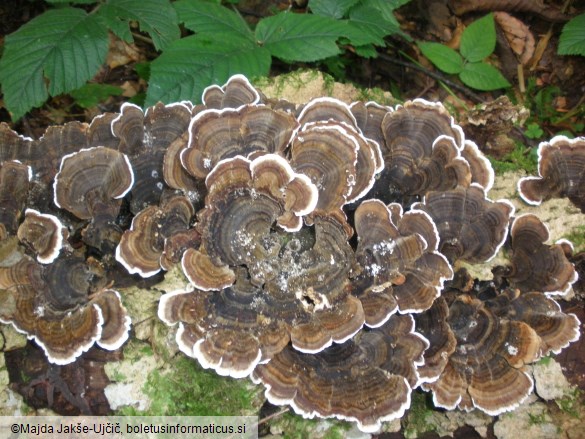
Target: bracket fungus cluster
{"x": 321, "y": 244}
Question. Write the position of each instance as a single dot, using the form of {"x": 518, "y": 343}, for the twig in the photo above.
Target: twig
{"x": 471, "y": 95}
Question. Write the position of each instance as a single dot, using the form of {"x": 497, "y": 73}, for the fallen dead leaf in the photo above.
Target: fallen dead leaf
{"x": 518, "y": 35}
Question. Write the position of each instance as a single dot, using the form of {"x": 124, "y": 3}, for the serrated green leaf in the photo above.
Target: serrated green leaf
{"x": 331, "y": 8}
{"x": 190, "y": 64}
{"x": 369, "y": 26}
{"x": 212, "y": 20}
{"x": 445, "y": 58}
{"x": 572, "y": 39}
{"x": 89, "y": 95}
{"x": 478, "y": 40}
{"x": 300, "y": 37}
{"x": 156, "y": 17}
{"x": 483, "y": 76}
{"x": 385, "y": 7}
{"x": 67, "y": 46}
{"x": 367, "y": 51}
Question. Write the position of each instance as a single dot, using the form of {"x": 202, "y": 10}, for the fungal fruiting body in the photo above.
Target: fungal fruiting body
{"x": 318, "y": 243}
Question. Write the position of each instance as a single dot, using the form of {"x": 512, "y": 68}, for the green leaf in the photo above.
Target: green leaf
{"x": 156, "y": 17}
{"x": 367, "y": 51}
{"x": 478, "y": 40}
{"x": 79, "y": 2}
{"x": 369, "y": 26}
{"x": 190, "y": 64}
{"x": 483, "y": 76}
{"x": 445, "y": 58}
{"x": 300, "y": 37}
{"x": 572, "y": 39}
{"x": 331, "y": 8}
{"x": 66, "y": 46}
{"x": 90, "y": 95}
{"x": 212, "y": 20}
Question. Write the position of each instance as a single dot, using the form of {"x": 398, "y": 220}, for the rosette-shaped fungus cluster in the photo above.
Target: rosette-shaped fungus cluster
{"x": 319, "y": 244}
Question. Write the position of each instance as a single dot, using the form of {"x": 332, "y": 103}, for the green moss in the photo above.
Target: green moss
{"x": 577, "y": 238}
{"x": 419, "y": 417}
{"x": 545, "y": 361}
{"x": 377, "y": 95}
{"x": 293, "y": 426}
{"x": 188, "y": 390}
{"x": 572, "y": 403}
{"x": 519, "y": 158}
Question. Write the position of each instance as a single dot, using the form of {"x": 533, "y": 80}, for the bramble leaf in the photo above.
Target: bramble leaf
{"x": 572, "y": 39}
{"x": 445, "y": 58}
{"x": 369, "y": 26}
{"x": 478, "y": 40}
{"x": 66, "y": 46}
{"x": 483, "y": 76}
{"x": 89, "y": 95}
{"x": 300, "y": 37}
{"x": 190, "y": 64}
{"x": 212, "y": 20}
{"x": 157, "y": 17}
{"x": 331, "y": 8}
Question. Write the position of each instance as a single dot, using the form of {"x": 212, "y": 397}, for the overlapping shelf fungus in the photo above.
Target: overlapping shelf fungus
{"x": 321, "y": 245}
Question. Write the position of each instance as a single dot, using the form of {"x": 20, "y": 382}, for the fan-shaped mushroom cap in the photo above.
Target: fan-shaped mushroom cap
{"x": 561, "y": 170}
{"x": 542, "y": 313}
{"x": 234, "y": 329}
{"x": 433, "y": 325}
{"x": 471, "y": 227}
{"x": 14, "y": 186}
{"x": 482, "y": 171}
{"x": 326, "y": 109}
{"x": 215, "y": 135}
{"x": 43, "y": 233}
{"x": 141, "y": 247}
{"x": 369, "y": 117}
{"x": 367, "y": 379}
{"x": 51, "y": 306}
{"x": 487, "y": 368}
{"x": 338, "y": 160}
{"x": 90, "y": 176}
{"x": 236, "y": 93}
{"x": 416, "y": 160}
{"x": 399, "y": 267}
{"x": 145, "y": 137}
{"x": 537, "y": 266}
{"x": 13, "y": 146}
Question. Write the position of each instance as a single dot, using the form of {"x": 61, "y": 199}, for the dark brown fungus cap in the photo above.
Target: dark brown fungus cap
{"x": 326, "y": 109}
{"x": 367, "y": 379}
{"x": 234, "y": 94}
{"x": 13, "y": 146}
{"x": 537, "y": 266}
{"x": 328, "y": 153}
{"x": 215, "y": 135}
{"x": 175, "y": 175}
{"x": 14, "y": 186}
{"x": 487, "y": 368}
{"x": 561, "y": 170}
{"x": 274, "y": 285}
{"x": 555, "y": 328}
{"x": 399, "y": 267}
{"x": 43, "y": 233}
{"x": 433, "y": 325}
{"x": 416, "y": 160}
{"x": 141, "y": 247}
{"x": 471, "y": 227}
{"x": 369, "y": 117}
{"x": 482, "y": 172}
{"x": 145, "y": 137}
{"x": 50, "y": 305}
{"x": 90, "y": 177}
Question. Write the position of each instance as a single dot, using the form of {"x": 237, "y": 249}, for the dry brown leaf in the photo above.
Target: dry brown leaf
{"x": 122, "y": 53}
{"x": 540, "y": 48}
{"x": 537, "y": 7}
{"x": 518, "y": 35}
